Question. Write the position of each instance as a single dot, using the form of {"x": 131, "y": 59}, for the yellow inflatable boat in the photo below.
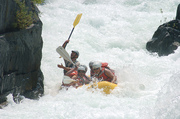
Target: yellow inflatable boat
{"x": 105, "y": 85}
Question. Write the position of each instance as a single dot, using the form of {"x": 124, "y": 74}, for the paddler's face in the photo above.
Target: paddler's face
{"x": 74, "y": 56}
{"x": 96, "y": 71}
{"x": 81, "y": 73}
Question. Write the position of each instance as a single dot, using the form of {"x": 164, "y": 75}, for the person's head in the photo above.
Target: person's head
{"x": 90, "y": 64}
{"x": 81, "y": 71}
{"x": 96, "y": 66}
{"x": 74, "y": 55}
{"x": 85, "y": 67}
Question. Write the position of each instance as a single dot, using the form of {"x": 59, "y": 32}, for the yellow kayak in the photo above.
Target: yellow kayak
{"x": 105, "y": 85}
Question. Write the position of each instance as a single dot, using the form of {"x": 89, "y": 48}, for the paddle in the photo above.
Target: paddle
{"x": 76, "y": 21}
{"x": 60, "y": 49}
{"x": 62, "y": 52}
{"x": 67, "y": 80}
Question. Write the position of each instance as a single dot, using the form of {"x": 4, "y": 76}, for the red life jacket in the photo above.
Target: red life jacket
{"x": 104, "y": 64}
{"x": 73, "y": 73}
{"x": 103, "y": 76}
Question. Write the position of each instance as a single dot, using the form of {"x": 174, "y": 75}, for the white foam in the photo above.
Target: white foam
{"x": 110, "y": 31}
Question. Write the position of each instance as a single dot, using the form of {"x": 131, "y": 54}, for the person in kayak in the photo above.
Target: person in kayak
{"x": 81, "y": 77}
{"x": 102, "y": 73}
{"x": 74, "y": 56}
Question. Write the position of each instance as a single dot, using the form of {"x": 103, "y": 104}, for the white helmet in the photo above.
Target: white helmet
{"x": 77, "y": 52}
{"x": 81, "y": 68}
{"x": 85, "y": 67}
{"x": 96, "y": 65}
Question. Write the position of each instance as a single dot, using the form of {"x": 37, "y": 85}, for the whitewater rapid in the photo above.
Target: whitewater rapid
{"x": 113, "y": 31}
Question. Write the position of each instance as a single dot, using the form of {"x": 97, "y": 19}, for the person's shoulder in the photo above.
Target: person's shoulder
{"x": 106, "y": 70}
{"x": 77, "y": 63}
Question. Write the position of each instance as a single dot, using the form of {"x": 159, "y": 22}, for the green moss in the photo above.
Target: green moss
{"x": 38, "y": 1}
{"x": 24, "y": 17}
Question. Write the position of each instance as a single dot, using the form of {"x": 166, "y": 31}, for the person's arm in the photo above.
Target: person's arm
{"x": 114, "y": 79}
{"x": 63, "y": 67}
{"x": 110, "y": 75}
{"x": 65, "y": 43}
{"x": 71, "y": 70}
{"x": 76, "y": 83}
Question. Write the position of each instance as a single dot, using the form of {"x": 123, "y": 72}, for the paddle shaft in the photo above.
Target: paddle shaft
{"x": 76, "y": 21}
{"x": 69, "y": 38}
{"x": 71, "y": 33}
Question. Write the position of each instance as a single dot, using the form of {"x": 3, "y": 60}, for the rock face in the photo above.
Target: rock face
{"x": 7, "y": 16}
{"x": 20, "y": 55}
{"x": 166, "y": 38}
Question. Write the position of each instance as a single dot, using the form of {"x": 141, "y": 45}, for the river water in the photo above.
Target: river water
{"x": 113, "y": 31}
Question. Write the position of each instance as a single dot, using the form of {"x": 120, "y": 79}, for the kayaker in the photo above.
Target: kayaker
{"x": 81, "y": 77}
{"x": 103, "y": 74}
{"x": 74, "y": 56}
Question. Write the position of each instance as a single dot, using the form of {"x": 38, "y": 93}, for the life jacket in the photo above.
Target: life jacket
{"x": 103, "y": 76}
{"x": 104, "y": 65}
{"x": 73, "y": 73}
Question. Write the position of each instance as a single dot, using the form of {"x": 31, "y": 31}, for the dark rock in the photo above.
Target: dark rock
{"x": 178, "y": 13}
{"x": 3, "y": 102}
{"x": 20, "y": 61}
{"x": 8, "y": 15}
{"x": 8, "y": 9}
{"x": 20, "y": 56}
{"x": 166, "y": 38}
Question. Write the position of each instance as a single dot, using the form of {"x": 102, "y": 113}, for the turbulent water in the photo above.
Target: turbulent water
{"x": 113, "y": 31}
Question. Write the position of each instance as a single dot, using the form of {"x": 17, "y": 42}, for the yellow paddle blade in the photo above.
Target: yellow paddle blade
{"x": 76, "y": 21}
